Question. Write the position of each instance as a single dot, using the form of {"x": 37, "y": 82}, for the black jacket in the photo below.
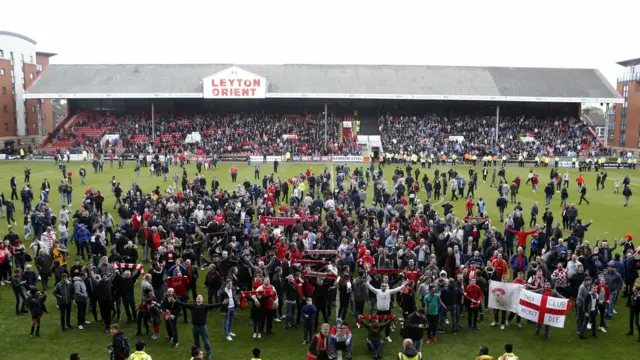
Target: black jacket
{"x": 199, "y": 312}
{"x": 103, "y": 291}
{"x": 412, "y": 329}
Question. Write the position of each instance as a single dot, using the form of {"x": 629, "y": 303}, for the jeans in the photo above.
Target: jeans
{"x": 589, "y": 319}
{"x": 129, "y": 306}
{"x": 340, "y": 346}
{"x": 547, "y": 329}
{"x": 212, "y": 295}
{"x": 376, "y": 348}
{"x": 453, "y": 309}
{"x": 228, "y": 320}
{"x": 612, "y": 303}
{"x": 201, "y": 331}
{"x": 65, "y": 315}
{"x": 82, "y": 311}
{"x": 20, "y": 295}
{"x": 291, "y": 314}
{"x": 82, "y": 246}
{"x": 634, "y": 317}
{"x": 417, "y": 344}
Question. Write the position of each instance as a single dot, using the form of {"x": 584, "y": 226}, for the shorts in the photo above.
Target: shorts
{"x": 36, "y": 317}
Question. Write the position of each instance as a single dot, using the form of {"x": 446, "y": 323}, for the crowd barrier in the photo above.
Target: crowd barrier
{"x": 566, "y": 163}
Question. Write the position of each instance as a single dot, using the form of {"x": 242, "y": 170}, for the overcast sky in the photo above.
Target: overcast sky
{"x": 542, "y": 33}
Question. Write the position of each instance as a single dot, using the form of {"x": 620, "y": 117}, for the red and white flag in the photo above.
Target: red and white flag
{"x": 543, "y": 309}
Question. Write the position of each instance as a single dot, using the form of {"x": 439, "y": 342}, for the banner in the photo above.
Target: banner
{"x": 270, "y": 158}
{"x": 295, "y": 158}
{"x": 543, "y": 309}
{"x": 347, "y": 158}
{"x": 281, "y": 221}
{"x": 504, "y": 296}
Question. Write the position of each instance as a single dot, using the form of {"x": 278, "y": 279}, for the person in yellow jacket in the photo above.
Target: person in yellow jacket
{"x": 140, "y": 354}
{"x": 508, "y": 355}
{"x": 408, "y": 352}
{"x": 483, "y": 354}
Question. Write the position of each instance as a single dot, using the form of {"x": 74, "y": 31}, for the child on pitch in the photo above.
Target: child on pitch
{"x": 309, "y": 313}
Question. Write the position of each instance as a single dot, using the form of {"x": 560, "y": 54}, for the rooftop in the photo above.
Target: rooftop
{"x": 9, "y": 33}
{"x": 627, "y": 63}
{"x": 332, "y": 81}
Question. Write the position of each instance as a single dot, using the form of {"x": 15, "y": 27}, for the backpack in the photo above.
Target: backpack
{"x": 126, "y": 350}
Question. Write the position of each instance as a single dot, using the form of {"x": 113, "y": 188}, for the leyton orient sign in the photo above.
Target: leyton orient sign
{"x": 234, "y": 83}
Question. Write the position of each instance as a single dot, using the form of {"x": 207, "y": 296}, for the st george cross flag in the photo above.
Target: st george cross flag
{"x": 543, "y": 309}
{"x": 504, "y": 296}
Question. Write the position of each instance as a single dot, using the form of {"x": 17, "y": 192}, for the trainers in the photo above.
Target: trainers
{"x": 282, "y": 317}
{"x": 494, "y": 323}
{"x": 87, "y": 322}
{"x": 507, "y": 323}
{"x": 80, "y": 327}
{"x": 602, "y": 329}
{"x": 589, "y": 326}
{"x": 232, "y": 334}
{"x": 255, "y": 335}
{"x": 446, "y": 321}
{"x": 229, "y": 338}
{"x": 277, "y": 320}
{"x": 435, "y": 338}
{"x": 501, "y": 327}
{"x": 428, "y": 341}
{"x": 614, "y": 311}
{"x": 304, "y": 342}
{"x": 175, "y": 345}
{"x": 389, "y": 339}
{"x": 259, "y": 335}
{"x": 519, "y": 325}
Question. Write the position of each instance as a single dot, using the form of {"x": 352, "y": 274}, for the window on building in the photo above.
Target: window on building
{"x": 5, "y": 108}
{"x": 2, "y": 72}
{"x": 4, "y": 90}
{"x": 35, "y": 125}
{"x": 31, "y": 76}
{"x": 31, "y": 59}
{"x": 1, "y": 53}
{"x": 38, "y": 67}
{"x": 6, "y": 127}
{"x": 33, "y": 108}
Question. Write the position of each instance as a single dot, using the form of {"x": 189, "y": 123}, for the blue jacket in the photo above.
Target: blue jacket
{"x": 83, "y": 235}
{"x": 310, "y": 311}
{"x": 514, "y": 263}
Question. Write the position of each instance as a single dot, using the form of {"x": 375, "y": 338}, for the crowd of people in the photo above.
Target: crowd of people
{"x": 518, "y": 135}
{"x": 222, "y": 133}
{"x": 275, "y": 134}
{"x": 294, "y": 250}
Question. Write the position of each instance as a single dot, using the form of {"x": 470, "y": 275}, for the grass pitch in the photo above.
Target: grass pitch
{"x": 611, "y": 220}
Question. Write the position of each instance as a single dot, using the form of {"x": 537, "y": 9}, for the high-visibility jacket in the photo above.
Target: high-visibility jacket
{"x": 402, "y": 356}
{"x": 139, "y": 355}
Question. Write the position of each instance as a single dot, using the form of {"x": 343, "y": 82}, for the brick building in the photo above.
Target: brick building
{"x": 20, "y": 67}
{"x": 626, "y": 128}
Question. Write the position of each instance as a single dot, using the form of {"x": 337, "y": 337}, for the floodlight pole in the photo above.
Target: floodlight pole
{"x": 40, "y": 130}
{"x": 153, "y": 123}
{"x": 325, "y": 121}
{"x": 606, "y": 126}
{"x": 497, "y": 122}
